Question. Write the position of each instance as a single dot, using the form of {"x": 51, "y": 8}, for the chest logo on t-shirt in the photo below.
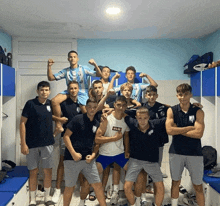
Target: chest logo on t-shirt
{"x": 151, "y": 132}
{"x": 94, "y": 128}
{"x": 78, "y": 109}
{"x": 48, "y": 108}
{"x": 118, "y": 129}
{"x": 162, "y": 113}
{"x": 191, "y": 118}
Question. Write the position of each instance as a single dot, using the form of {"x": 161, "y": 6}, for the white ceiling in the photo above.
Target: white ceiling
{"x": 139, "y": 19}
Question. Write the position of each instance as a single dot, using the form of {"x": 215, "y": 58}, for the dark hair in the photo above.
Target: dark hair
{"x": 130, "y": 68}
{"x": 142, "y": 110}
{"x": 92, "y": 100}
{"x": 72, "y": 82}
{"x": 184, "y": 88}
{"x": 151, "y": 88}
{"x": 121, "y": 98}
{"x": 97, "y": 82}
{"x": 43, "y": 84}
{"x": 72, "y": 51}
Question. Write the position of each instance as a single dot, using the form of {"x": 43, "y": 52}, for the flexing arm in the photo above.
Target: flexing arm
{"x": 66, "y": 138}
{"x": 100, "y": 139}
{"x": 24, "y": 147}
{"x": 98, "y": 71}
{"x": 135, "y": 102}
{"x": 116, "y": 76}
{"x": 152, "y": 82}
{"x": 171, "y": 127}
{"x": 91, "y": 157}
{"x": 199, "y": 126}
{"x": 63, "y": 120}
{"x": 50, "y": 75}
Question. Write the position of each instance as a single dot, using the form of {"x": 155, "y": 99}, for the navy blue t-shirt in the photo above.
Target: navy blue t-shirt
{"x": 145, "y": 146}
{"x": 39, "y": 129}
{"x": 83, "y": 135}
{"x": 183, "y": 145}
{"x": 69, "y": 109}
{"x": 158, "y": 111}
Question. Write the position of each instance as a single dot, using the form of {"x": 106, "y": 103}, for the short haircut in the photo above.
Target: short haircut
{"x": 131, "y": 68}
{"x": 121, "y": 98}
{"x": 72, "y": 51}
{"x": 151, "y": 88}
{"x": 97, "y": 82}
{"x": 106, "y": 67}
{"x": 91, "y": 100}
{"x": 127, "y": 84}
{"x": 142, "y": 110}
{"x": 72, "y": 82}
{"x": 43, "y": 84}
{"x": 183, "y": 88}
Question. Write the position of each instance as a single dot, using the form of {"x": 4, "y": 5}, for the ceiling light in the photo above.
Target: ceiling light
{"x": 113, "y": 10}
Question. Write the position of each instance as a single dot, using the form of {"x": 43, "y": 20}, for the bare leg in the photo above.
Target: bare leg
{"x": 85, "y": 187}
{"x": 175, "y": 189}
{"x": 56, "y": 101}
{"x": 47, "y": 177}
{"x": 105, "y": 177}
{"x": 60, "y": 172}
{"x": 199, "y": 195}
{"x": 140, "y": 184}
{"x": 128, "y": 192}
{"x": 67, "y": 195}
{"x": 158, "y": 193}
{"x": 116, "y": 174}
{"x": 33, "y": 179}
{"x": 99, "y": 193}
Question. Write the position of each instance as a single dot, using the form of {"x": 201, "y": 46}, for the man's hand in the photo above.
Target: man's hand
{"x": 63, "y": 120}
{"x": 197, "y": 104}
{"x": 118, "y": 135}
{"x": 142, "y": 75}
{"x": 127, "y": 155}
{"x": 111, "y": 92}
{"x": 50, "y": 62}
{"x": 92, "y": 62}
{"x": 116, "y": 76}
{"x": 77, "y": 157}
{"x": 89, "y": 158}
{"x": 24, "y": 149}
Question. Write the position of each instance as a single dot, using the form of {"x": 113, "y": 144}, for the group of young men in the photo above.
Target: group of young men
{"x": 98, "y": 132}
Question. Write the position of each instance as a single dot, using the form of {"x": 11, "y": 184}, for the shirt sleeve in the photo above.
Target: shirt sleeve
{"x": 89, "y": 72}
{"x": 143, "y": 86}
{"x": 130, "y": 122}
{"x": 159, "y": 124}
{"x": 60, "y": 75}
{"x": 27, "y": 110}
{"x": 72, "y": 125}
{"x": 117, "y": 88}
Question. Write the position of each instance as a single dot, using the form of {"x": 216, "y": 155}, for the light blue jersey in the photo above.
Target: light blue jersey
{"x": 80, "y": 74}
{"x": 137, "y": 90}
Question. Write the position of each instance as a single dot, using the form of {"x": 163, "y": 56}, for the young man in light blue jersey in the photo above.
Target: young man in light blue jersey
{"x": 137, "y": 87}
{"x": 77, "y": 73}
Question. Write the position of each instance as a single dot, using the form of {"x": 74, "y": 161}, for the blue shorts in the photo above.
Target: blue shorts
{"x": 82, "y": 96}
{"x": 105, "y": 161}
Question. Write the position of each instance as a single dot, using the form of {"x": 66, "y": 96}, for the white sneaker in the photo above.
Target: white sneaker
{"x": 56, "y": 195}
{"x": 47, "y": 199}
{"x": 114, "y": 198}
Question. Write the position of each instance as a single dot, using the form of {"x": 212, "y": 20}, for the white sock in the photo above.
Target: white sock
{"x": 47, "y": 192}
{"x": 174, "y": 202}
{"x": 81, "y": 202}
{"x": 116, "y": 188}
{"x": 33, "y": 197}
{"x": 138, "y": 201}
{"x": 144, "y": 197}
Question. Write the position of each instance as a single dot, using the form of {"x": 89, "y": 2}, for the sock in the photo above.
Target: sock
{"x": 144, "y": 197}
{"x": 33, "y": 197}
{"x": 138, "y": 201}
{"x": 47, "y": 192}
{"x": 81, "y": 202}
{"x": 116, "y": 188}
{"x": 174, "y": 202}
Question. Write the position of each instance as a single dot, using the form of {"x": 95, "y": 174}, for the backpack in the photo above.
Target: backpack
{"x": 209, "y": 157}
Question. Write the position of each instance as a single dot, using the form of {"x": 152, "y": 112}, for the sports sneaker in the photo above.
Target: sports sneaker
{"x": 114, "y": 198}
{"x": 56, "y": 195}
{"x": 190, "y": 200}
{"x": 146, "y": 203}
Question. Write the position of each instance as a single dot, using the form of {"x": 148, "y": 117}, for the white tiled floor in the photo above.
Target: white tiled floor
{"x": 167, "y": 184}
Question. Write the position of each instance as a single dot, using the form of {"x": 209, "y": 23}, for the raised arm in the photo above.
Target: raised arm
{"x": 151, "y": 81}
{"x": 100, "y": 139}
{"x": 199, "y": 125}
{"x": 171, "y": 127}
{"x": 50, "y": 75}
{"x": 66, "y": 138}
{"x": 24, "y": 147}
{"x": 116, "y": 76}
{"x": 98, "y": 71}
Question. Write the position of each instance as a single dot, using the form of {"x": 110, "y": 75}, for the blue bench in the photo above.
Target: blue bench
{"x": 5, "y": 197}
{"x": 214, "y": 182}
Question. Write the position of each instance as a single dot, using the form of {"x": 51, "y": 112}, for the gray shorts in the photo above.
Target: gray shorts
{"x": 194, "y": 164}
{"x": 45, "y": 154}
{"x": 73, "y": 168}
{"x": 135, "y": 166}
{"x": 160, "y": 155}
{"x": 62, "y": 147}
